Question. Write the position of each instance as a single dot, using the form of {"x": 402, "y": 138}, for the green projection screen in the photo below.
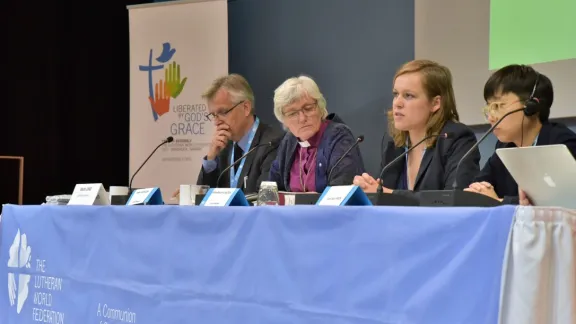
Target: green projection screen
{"x": 475, "y": 37}
{"x": 531, "y": 31}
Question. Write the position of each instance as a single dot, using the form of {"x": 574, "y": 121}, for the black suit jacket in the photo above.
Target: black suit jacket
{"x": 256, "y": 167}
{"x": 495, "y": 173}
{"x": 438, "y": 167}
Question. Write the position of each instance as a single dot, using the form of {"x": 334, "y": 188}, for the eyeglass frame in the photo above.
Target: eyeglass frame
{"x": 219, "y": 115}
{"x": 488, "y": 111}
{"x": 293, "y": 115}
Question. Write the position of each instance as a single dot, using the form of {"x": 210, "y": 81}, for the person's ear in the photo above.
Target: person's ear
{"x": 247, "y": 108}
{"x": 436, "y": 104}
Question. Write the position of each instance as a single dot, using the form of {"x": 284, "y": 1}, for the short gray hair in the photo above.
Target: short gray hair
{"x": 293, "y": 90}
{"x": 237, "y": 86}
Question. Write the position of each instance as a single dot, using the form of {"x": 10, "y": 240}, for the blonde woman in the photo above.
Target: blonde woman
{"x": 424, "y": 105}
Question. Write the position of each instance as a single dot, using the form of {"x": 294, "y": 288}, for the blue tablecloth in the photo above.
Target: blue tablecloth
{"x": 216, "y": 265}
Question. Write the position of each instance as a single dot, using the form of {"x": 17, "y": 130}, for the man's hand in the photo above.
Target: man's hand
{"x": 219, "y": 141}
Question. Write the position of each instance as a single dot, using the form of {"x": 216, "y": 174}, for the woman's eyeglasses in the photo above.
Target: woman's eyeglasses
{"x": 307, "y": 110}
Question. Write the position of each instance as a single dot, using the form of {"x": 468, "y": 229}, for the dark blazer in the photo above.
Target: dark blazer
{"x": 495, "y": 173}
{"x": 256, "y": 167}
{"x": 438, "y": 167}
{"x": 335, "y": 141}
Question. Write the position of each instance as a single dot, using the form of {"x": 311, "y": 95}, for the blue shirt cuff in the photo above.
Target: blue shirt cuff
{"x": 209, "y": 165}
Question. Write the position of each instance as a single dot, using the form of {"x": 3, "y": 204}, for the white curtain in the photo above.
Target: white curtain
{"x": 539, "y": 273}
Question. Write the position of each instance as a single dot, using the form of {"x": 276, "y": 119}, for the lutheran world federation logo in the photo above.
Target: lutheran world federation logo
{"x": 160, "y": 91}
{"x": 20, "y": 255}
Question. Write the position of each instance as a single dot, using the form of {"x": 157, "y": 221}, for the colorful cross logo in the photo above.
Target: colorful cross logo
{"x": 160, "y": 92}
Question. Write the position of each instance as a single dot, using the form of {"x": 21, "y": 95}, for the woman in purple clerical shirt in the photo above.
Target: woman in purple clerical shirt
{"x": 315, "y": 141}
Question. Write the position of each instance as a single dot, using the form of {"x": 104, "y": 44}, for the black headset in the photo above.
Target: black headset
{"x": 532, "y": 105}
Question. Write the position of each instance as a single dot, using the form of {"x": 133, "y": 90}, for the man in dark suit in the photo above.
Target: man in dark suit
{"x": 231, "y": 105}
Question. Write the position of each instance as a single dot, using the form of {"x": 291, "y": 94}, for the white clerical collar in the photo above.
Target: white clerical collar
{"x": 304, "y": 144}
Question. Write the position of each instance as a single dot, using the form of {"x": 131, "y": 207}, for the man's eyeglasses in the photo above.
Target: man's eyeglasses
{"x": 495, "y": 109}
{"x": 222, "y": 114}
{"x": 307, "y": 110}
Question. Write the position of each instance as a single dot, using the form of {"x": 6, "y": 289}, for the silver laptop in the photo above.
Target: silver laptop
{"x": 546, "y": 173}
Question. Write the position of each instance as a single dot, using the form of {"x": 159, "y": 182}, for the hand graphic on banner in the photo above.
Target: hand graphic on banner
{"x": 19, "y": 256}
{"x": 12, "y": 286}
{"x": 161, "y": 100}
{"x": 175, "y": 86}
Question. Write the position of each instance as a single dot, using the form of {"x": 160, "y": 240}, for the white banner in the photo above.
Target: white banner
{"x": 176, "y": 50}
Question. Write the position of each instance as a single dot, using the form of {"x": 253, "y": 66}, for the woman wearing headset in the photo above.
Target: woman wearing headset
{"x": 511, "y": 88}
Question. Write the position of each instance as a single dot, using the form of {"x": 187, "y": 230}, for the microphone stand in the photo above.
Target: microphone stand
{"x": 359, "y": 140}
{"x": 167, "y": 140}
{"x": 488, "y": 132}
{"x": 461, "y": 198}
{"x": 380, "y": 189}
{"x": 240, "y": 159}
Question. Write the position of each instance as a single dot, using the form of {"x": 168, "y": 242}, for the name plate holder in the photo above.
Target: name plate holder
{"x": 218, "y": 197}
{"x": 343, "y": 196}
{"x": 146, "y": 196}
{"x": 89, "y": 194}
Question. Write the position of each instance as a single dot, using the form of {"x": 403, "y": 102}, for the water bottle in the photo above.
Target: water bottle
{"x": 268, "y": 194}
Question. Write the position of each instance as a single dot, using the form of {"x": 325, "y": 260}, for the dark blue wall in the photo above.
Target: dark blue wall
{"x": 352, "y": 49}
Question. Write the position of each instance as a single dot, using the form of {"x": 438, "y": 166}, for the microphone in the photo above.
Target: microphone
{"x": 387, "y": 166}
{"x": 169, "y": 139}
{"x": 240, "y": 159}
{"x": 488, "y": 132}
{"x": 359, "y": 140}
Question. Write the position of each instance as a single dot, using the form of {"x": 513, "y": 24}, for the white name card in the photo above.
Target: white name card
{"x": 89, "y": 194}
{"x": 146, "y": 196}
{"x": 216, "y": 197}
{"x": 342, "y": 196}
{"x": 289, "y": 200}
{"x": 334, "y": 196}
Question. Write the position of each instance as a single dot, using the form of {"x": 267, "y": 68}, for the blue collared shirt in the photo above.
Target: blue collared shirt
{"x": 211, "y": 165}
